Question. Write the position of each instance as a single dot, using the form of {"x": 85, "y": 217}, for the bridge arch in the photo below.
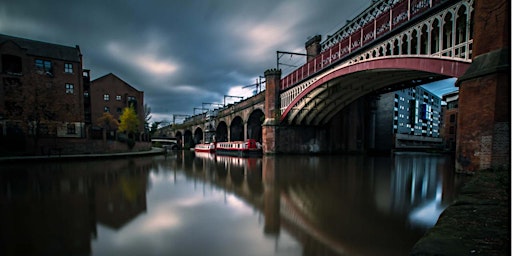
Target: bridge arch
{"x": 188, "y": 139}
{"x": 236, "y": 129}
{"x": 320, "y": 100}
{"x": 198, "y": 135}
{"x": 179, "y": 138}
{"x": 254, "y": 123}
{"x": 221, "y": 133}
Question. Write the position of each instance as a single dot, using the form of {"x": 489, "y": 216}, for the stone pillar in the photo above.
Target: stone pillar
{"x": 313, "y": 47}
{"x": 483, "y": 129}
{"x": 245, "y": 132}
{"x": 270, "y": 127}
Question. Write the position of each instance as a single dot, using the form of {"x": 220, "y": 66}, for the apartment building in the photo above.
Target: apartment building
{"x": 110, "y": 93}
{"x": 407, "y": 119}
{"x": 41, "y": 90}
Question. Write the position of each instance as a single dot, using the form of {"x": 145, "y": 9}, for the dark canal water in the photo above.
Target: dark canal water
{"x": 192, "y": 204}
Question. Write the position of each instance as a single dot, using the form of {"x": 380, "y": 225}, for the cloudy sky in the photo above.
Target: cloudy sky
{"x": 181, "y": 53}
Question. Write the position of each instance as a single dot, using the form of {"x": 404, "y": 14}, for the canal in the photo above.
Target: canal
{"x": 199, "y": 204}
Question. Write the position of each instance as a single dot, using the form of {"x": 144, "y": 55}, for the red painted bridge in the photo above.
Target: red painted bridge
{"x": 393, "y": 44}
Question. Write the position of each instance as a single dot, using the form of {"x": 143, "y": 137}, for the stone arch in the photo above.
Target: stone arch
{"x": 254, "y": 123}
{"x": 236, "y": 129}
{"x": 221, "y": 133}
{"x": 188, "y": 141}
{"x": 198, "y": 135}
{"x": 179, "y": 138}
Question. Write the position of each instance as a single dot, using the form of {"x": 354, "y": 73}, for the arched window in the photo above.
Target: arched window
{"x": 447, "y": 33}
{"x": 424, "y": 40}
{"x": 405, "y": 44}
{"x": 388, "y": 49}
{"x": 396, "y": 47}
{"x": 434, "y": 37}
{"x": 414, "y": 42}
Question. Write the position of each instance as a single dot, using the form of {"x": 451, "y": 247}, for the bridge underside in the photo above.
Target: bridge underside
{"x": 337, "y": 88}
{"x": 320, "y": 105}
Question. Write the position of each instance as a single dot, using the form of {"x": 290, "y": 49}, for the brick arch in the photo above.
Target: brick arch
{"x": 236, "y": 129}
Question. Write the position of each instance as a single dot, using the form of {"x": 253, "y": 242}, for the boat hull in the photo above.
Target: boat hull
{"x": 204, "y": 150}
{"x": 239, "y": 152}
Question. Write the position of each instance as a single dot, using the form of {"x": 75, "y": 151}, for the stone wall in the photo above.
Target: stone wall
{"x": 86, "y": 146}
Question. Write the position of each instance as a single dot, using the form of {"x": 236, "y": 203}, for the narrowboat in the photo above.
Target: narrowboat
{"x": 205, "y": 147}
{"x": 239, "y": 148}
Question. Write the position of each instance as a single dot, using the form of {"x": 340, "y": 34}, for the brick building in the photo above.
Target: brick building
{"x": 41, "y": 90}
{"x": 111, "y": 94}
{"x": 449, "y": 126}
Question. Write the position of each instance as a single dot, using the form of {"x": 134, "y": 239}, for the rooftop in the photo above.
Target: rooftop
{"x": 43, "y": 49}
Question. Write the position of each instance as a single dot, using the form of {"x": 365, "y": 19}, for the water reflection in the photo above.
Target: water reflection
{"x": 53, "y": 209}
{"x": 191, "y": 204}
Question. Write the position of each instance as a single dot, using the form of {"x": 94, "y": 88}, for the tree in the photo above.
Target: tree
{"x": 129, "y": 122}
{"x": 107, "y": 122}
{"x": 37, "y": 106}
{"x": 154, "y": 128}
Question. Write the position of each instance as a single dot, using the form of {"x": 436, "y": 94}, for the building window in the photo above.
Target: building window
{"x": 71, "y": 129}
{"x": 68, "y": 68}
{"x": 70, "y": 88}
{"x": 86, "y": 94}
{"x": 107, "y": 109}
{"x": 106, "y": 97}
{"x": 118, "y": 97}
{"x": 451, "y": 130}
{"x": 11, "y": 64}
{"x": 452, "y": 118}
{"x": 44, "y": 66}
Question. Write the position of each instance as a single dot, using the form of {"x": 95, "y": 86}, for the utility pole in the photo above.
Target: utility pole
{"x": 231, "y": 96}
{"x": 257, "y": 84}
{"x": 280, "y": 54}
{"x": 174, "y": 116}
{"x": 202, "y": 109}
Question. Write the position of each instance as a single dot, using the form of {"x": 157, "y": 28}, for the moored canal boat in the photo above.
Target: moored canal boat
{"x": 239, "y": 148}
{"x": 205, "y": 147}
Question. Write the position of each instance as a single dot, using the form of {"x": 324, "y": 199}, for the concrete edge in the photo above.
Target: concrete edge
{"x": 15, "y": 159}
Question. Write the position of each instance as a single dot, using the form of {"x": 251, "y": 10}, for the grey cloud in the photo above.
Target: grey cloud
{"x": 208, "y": 41}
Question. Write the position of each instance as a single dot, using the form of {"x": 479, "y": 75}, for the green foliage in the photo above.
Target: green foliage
{"x": 129, "y": 121}
{"x": 154, "y": 128}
